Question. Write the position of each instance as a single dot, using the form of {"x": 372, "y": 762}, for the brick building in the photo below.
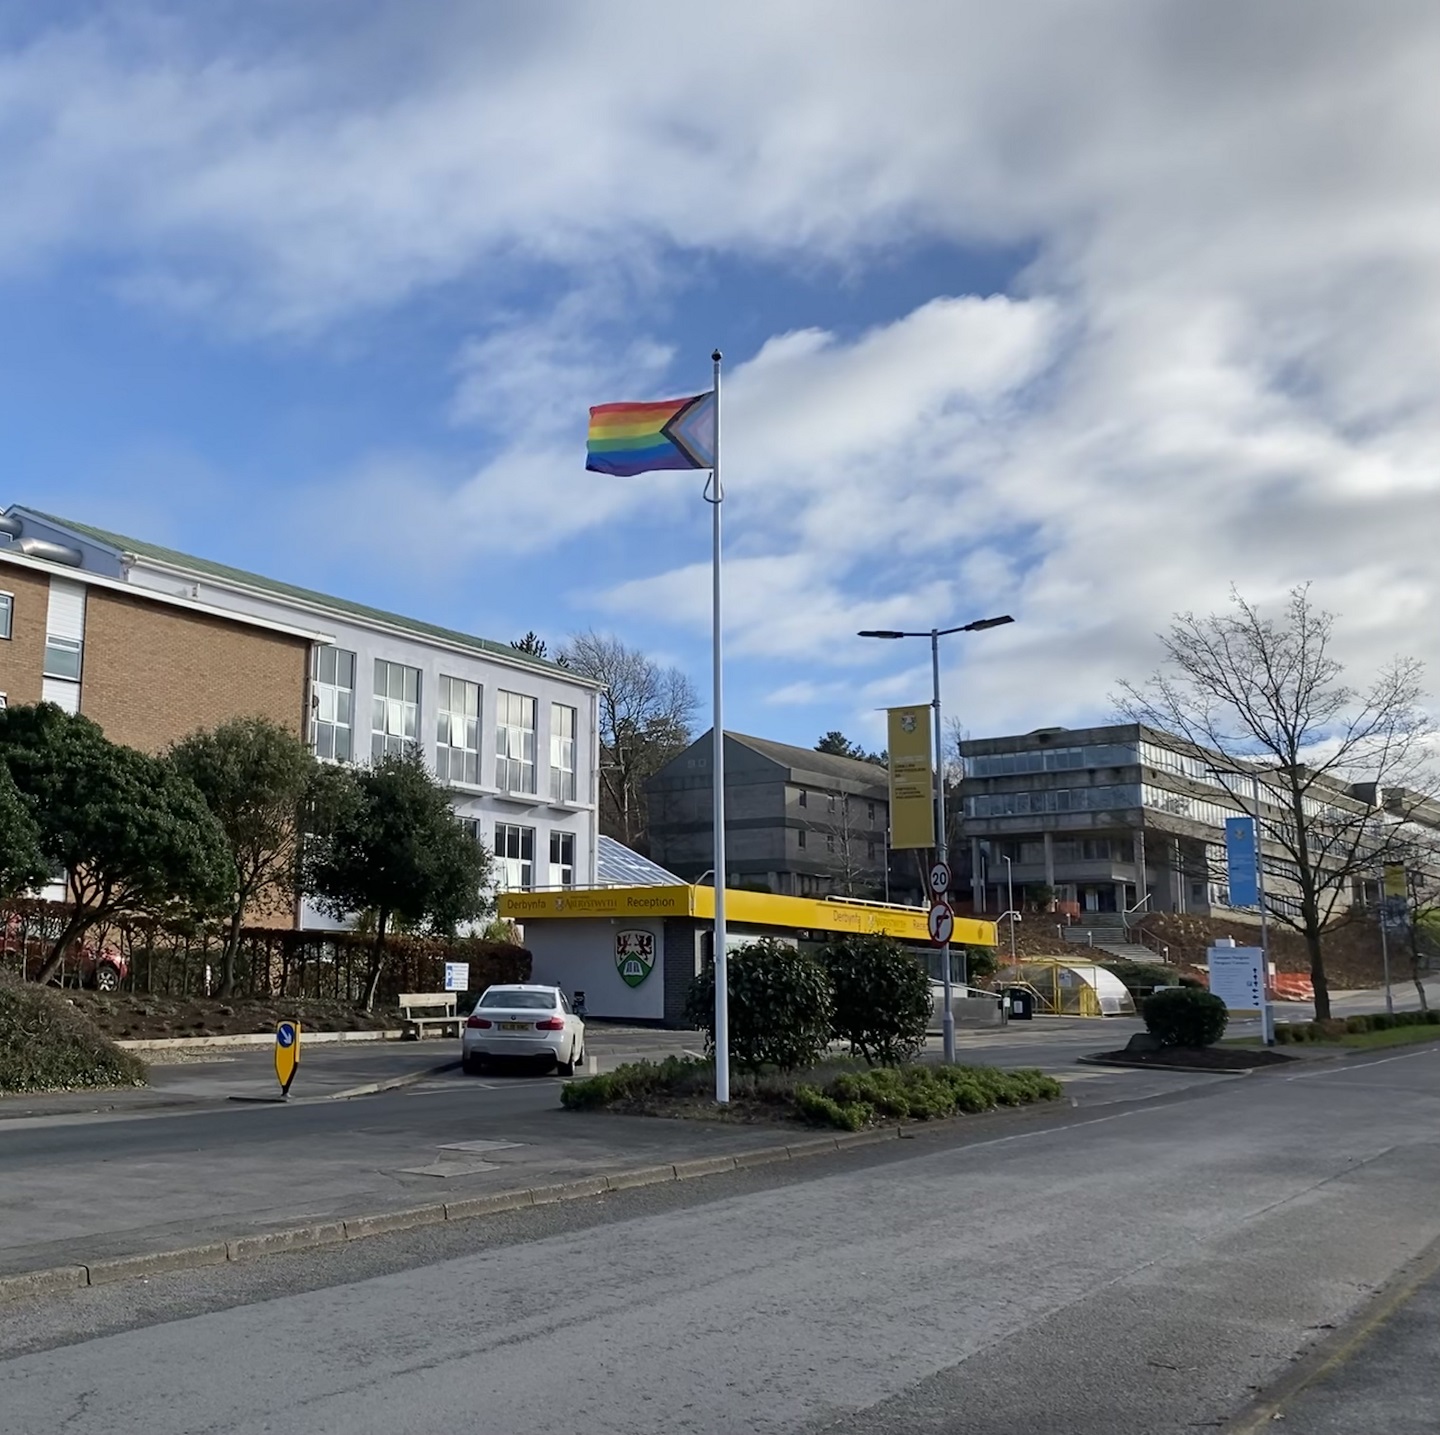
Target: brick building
{"x": 150, "y": 668}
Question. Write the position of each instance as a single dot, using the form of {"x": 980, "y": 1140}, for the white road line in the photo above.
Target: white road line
{"x": 1350, "y": 1070}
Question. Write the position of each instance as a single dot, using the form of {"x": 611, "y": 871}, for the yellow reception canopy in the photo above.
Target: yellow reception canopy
{"x": 761, "y": 909}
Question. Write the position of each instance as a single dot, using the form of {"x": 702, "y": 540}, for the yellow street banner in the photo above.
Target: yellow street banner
{"x": 912, "y": 792}
{"x": 1395, "y": 881}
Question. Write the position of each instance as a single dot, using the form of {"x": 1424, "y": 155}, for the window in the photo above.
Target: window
{"x": 472, "y": 827}
{"x": 869, "y": 851}
{"x": 457, "y": 732}
{"x": 562, "y": 753}
{"x": 562, "y": 859}
{"x": 7, "y": 608}
{"x": 800, "y": 837}
{"x": 395, "y": 712}
{"x": 514, "y": 742}
{"x": 62, "y": 658}
{"x": 830, "y": 842}
{"x": 515, "y": 852}
{"x": 832, "y": 802}
{"x": 804, "y": 798}
{"x": 332, "y": 672}
{"x": 870, "y": 813}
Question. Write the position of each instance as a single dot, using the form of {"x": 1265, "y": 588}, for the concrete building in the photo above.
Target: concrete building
{"x": 798, "y": 823}
{"x": 513, "y": 737}
{"x": 1113, "y": 819}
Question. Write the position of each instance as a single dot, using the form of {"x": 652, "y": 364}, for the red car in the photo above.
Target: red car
{"x": 91, "y": 963}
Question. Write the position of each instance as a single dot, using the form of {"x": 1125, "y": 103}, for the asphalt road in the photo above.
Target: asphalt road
{"x": 94, "y": 1183}
{"x": 1131, "y": 1269}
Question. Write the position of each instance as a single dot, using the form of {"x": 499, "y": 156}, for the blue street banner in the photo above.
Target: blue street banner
{"x": 1242, "y": 862}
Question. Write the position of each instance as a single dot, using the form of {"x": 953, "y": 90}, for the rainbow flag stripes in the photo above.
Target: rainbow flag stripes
{"x": 627, "y": 439}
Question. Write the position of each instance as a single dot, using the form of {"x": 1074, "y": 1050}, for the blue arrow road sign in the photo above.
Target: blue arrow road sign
{"x": 285, "y": 1034}
{"x": 1242, "y": 862}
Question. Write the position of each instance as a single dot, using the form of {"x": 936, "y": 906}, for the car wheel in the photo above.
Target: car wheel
{"x": 472, "y": 1065}
{"x": 567, "y": 1068}
{"x": 107, "y": 979}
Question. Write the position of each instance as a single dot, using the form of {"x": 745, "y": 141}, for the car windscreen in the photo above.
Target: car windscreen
{"x": 519, "y": 1001}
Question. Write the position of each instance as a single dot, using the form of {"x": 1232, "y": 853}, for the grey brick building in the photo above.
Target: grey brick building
{"x": 799, "y": 823}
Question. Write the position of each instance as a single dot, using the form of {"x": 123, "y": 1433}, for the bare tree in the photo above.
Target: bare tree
{"x": 646, "y": 715}
{"x": 856, "y": 873}
{"x": 1342, "y": 771}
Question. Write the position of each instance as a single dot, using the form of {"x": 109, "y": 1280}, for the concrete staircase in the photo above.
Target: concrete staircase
{"x": 1106, "y": 932}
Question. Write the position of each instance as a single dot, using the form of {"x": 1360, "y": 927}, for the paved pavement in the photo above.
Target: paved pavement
{"x": 1126, "y": 1269}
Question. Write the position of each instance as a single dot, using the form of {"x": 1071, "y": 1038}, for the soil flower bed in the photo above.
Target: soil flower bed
{"x": 46, "y": 1044}
{"x": 139, "y": 1016}
{"x": 841, "y": 1093}
{"x": 1198, "y": 1058}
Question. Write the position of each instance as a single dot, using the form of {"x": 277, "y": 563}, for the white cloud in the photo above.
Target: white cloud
{"x": 1218, "y": 368}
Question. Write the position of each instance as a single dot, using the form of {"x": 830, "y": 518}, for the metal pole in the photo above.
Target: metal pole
{"x": 942, "y": 851}
{"x": 1385, "y": 945}
{"x": 722, "y": 991}
{"x": 1010, "y": 906}
{"x": 1267, "y": 1028}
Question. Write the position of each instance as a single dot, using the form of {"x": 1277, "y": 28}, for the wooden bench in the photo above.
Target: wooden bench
{"x": 436, "y": 1008}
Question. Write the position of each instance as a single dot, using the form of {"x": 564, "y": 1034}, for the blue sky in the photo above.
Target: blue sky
{"x": 1080, "y": 318}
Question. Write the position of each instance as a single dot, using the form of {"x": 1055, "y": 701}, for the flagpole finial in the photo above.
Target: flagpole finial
{"x": 716, "y": 356}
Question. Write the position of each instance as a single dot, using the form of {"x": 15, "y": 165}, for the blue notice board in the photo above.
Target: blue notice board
{"x": 1242, "y": 862}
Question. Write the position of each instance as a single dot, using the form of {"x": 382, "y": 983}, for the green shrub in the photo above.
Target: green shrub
{"x": 926, "y": 1093}
{"x": 675, "y": 1076}
{"x": 1381, "y": 1021}
{"x": 780, "y": 1003}
{"x": 48, "y": 1044}
{"x": 1432, "y": 1018}
{"x": 1284, "y": 1033}
{"x": 881, "y": 997}
{"x": 823, "y": 1110}
{"x": 1357, "y": 1025}
{"x": 1184, "y": 1016}
{"x": 1331, "y": 1029}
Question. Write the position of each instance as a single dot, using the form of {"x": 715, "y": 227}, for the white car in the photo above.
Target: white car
{"x": 523, "y": 1023}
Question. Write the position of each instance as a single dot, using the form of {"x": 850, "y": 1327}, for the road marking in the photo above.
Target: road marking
{"x": 1363, "y": 1065}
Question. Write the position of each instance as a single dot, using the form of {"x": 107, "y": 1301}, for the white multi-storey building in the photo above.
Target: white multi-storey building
{"x": 513, "y": 737}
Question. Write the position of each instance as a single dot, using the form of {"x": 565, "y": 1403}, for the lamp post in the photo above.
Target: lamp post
{"x": 942, "y": 850}
{"x": 1010, "y": 904}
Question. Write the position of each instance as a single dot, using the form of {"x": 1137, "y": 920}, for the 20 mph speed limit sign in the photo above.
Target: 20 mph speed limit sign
{"x": 941, "y": 922}
{"x": 939, "y": 879}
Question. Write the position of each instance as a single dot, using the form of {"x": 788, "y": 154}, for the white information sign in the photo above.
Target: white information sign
{"x": 457, "y": 976}
{"x": 1237, "y": 977}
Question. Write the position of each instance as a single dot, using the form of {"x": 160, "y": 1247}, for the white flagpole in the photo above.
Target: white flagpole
{"x": 722, "y": 994}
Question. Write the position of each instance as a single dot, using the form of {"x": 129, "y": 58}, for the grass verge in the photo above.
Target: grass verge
{"x": 841, "y": 1093}
{"x": 1396, "y": 1036}
{"x": 48, "y": 1044}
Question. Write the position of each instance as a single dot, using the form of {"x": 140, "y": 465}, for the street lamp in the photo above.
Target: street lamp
{"x": 1010, "y": 903}
{"x": 942, "y": 850}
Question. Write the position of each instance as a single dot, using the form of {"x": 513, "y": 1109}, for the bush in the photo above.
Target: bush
{"x": 1357, "y": 1025}
{"x": 779, "y": 1006}
{"x": 48, "y": 1044}
{"x": 881, "y": 998}
{"x": 922, "y": 1093}
{"x": 1284, "y": 1033}
{"x": 1382, "y": 1022}
{"x": 1432, "y": 1018}
{"x": 675, "y": 1076}
{"x": 1183, "y": 1016}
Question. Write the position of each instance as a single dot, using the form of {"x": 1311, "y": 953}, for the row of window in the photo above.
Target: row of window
{"x": 62, "y": 655}
{"x": 395, "y": 724}
{"x": 1087, "y": 849}
{"x": 1059, "y": 799}
{"x": 1050, "y": 759}
{"x": 514, "y": 849}
{"x": 835, "y": 802}
{"x": 872, "y": 848}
